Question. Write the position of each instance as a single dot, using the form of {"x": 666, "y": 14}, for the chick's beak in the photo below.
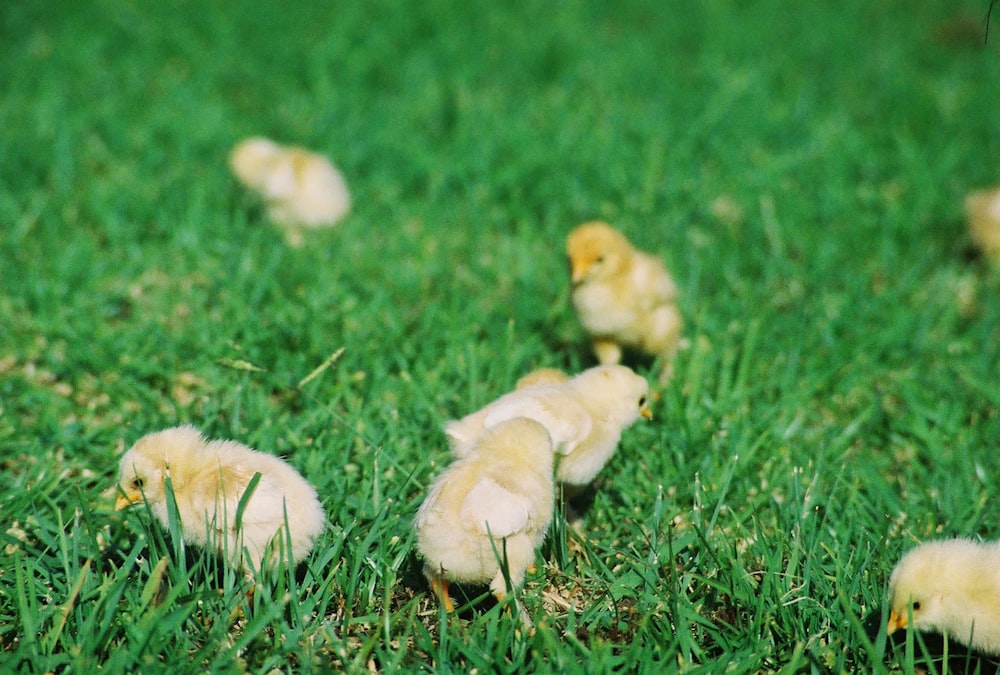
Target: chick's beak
{"x": 897, "y": 621}
{"x": 126, "y": 500}
{"x": 647, "y": 413}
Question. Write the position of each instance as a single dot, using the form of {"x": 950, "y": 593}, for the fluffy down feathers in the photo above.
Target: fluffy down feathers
{"x": 622, "y": 296}
{"x": 301, "y": 189}
{"x": 495, "y": 501}
{"x": 585, "y": 417}
{"x": 950, "y": 586}
{"x": 208, "y": 480}
{"x": 542, "y": 376}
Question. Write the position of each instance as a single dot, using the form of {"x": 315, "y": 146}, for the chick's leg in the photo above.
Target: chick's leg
{"x": 607, "y": 351}
{"x": 664, "y": 338}
{"x": 440, "y": 587}
{"x": 294, "y": 236}
{"x": 238, "y": 612}
{"x": 499, "y": 588}
{"x": 499, "y": 585}
{"x": 666, "y": 373}
{"x": 518, "y": 555}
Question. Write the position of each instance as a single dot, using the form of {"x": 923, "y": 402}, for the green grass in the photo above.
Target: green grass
{"x": 839, "y": 400}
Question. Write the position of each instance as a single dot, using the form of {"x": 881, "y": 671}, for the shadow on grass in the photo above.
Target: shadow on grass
{"x": 469, "y": 599}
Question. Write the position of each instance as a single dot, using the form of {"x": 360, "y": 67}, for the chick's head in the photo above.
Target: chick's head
{"x": 616, "y": 393}
{"x": 143, "y": 470}
{"x": 252, "y": 160}
{"x": 596, "y": 252}
{"x": 934, "y": 587}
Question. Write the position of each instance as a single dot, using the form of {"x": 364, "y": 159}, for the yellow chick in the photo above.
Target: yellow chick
{"x": 493, "y": 504}
{"x": 982, "y": 209}
{"x": 952, "y": 587}
{"x": 301, "y": 189}
{"x": 585, "y": 417}
{"x": 209, "y": 478}
{"x": 622, "y": 296}
{"x": 542, "y": 376}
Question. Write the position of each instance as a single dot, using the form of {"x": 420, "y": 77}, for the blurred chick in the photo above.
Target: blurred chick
{"x": 493, "y": 504}
{"x": 542, "y": 376}
{"x": 209, "y": 478}
{"x": 952, "y": 587}
{"x": 585, "y": 416}
{"x": 982, "y": 209}
{"x": 301, "y": 189}
{"x": 622, "y": 296}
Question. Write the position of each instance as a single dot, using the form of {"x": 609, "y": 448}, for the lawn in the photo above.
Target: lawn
{"x": 801, "y": 171}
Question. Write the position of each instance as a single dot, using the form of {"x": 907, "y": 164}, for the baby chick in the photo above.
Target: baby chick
{"x": 952, "y": 587}
{"x": 493, "y": 504}
{"x": 622, "y": 296}
{"x": 208, "y": 480}
{"x": 301, "y": 189}
{"x": 982, "y": 209}
{"x": 585, "y": 417}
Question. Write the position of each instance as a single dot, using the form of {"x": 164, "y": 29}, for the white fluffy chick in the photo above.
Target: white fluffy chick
{"x": 982, "y": 209}
{"x": 950, "y": 586}
{"x": 301, "y": 189}
{"x": 209, "y": 478}
{"x": 494, "y": 504}
{"x": 585, "y": 416}
{"x": 622, "y": 296}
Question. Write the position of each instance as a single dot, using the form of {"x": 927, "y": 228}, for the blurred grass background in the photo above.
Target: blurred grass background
{"x": 801, "y": 170}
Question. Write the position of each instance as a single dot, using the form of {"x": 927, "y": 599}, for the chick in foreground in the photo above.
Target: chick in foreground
{"x": 952, "y": 587}
{"x": 495, "y": 504}
{"x": 982, "y": 209}
{"x": 585, "y": 417}
{"x": 208, "y": 479}
{"x": 624, "y": 298}
{"x": 302, "y": 189}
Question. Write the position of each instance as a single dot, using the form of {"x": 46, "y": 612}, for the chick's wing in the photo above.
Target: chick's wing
{"x": 567, "y": 422}
{"x": 225, "y": 486}
{"x": 653, "y": 282}
{"x": 493, "y": 509}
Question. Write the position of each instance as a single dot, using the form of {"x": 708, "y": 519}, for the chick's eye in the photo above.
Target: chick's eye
{"x": 137, "y": 483}
{"x": 916, "y": 606}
